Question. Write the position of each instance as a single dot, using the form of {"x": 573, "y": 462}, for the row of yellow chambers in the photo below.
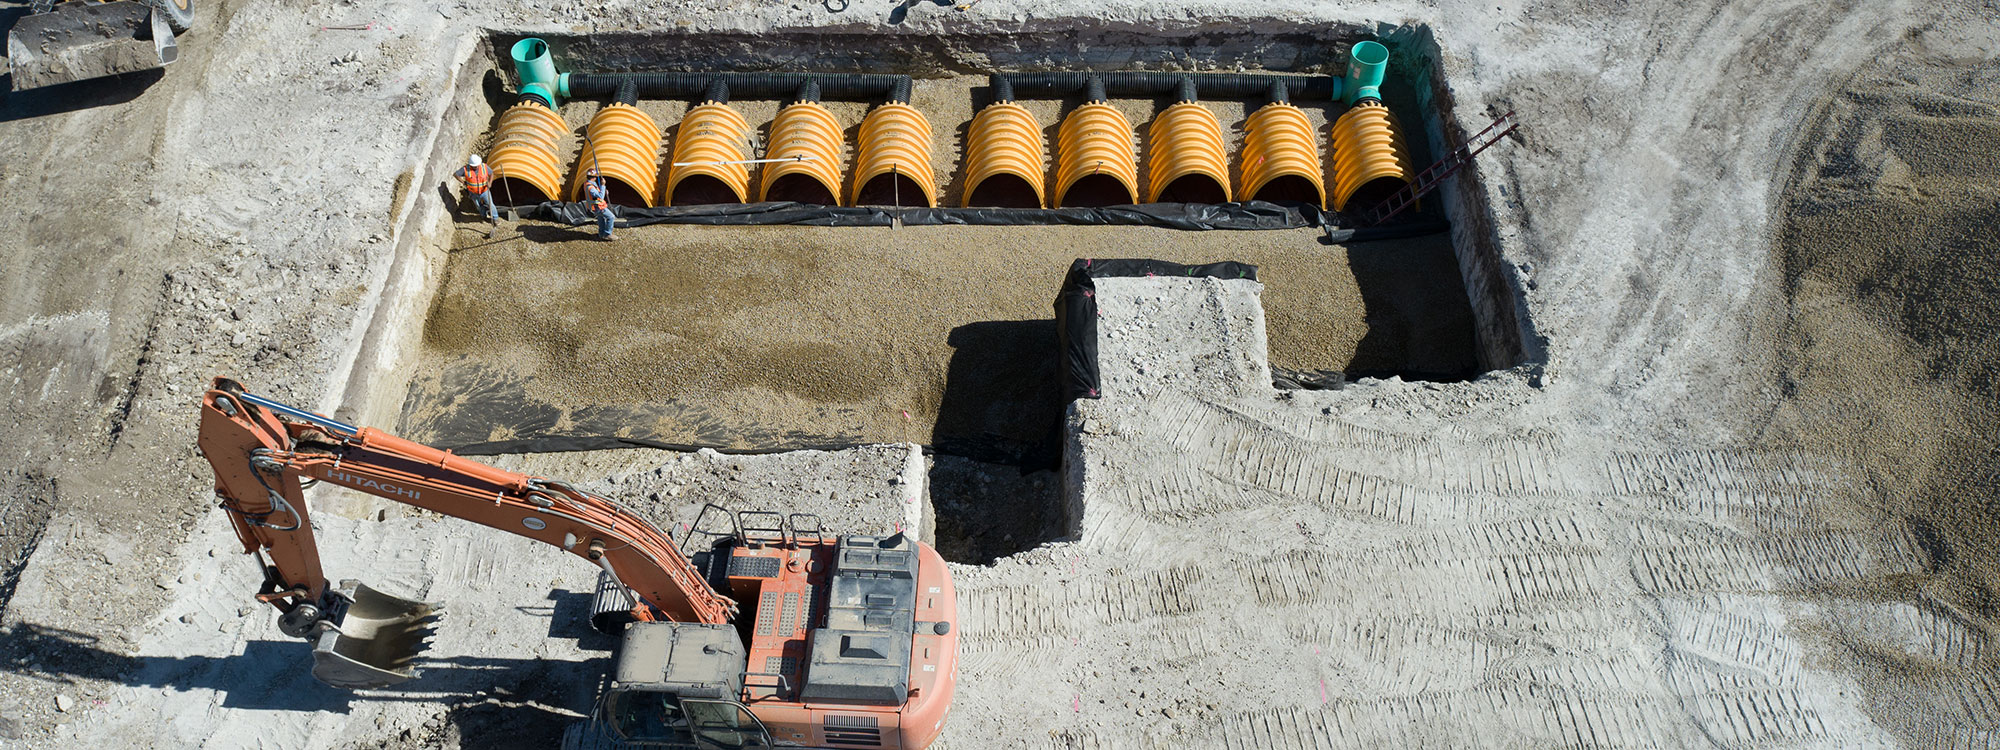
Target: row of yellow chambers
{"x": 1096, "y": 160}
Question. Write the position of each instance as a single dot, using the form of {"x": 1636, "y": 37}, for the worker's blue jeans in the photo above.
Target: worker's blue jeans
{"x": 604, "y": 223}
{"x": 484, "y": 202}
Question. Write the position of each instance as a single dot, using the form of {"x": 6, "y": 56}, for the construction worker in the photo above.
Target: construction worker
{"x": 594, "y": 199}
{"x": 478, "y": 179}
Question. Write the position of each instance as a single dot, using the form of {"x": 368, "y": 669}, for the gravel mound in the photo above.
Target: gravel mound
{"x": 1891, "y": 350}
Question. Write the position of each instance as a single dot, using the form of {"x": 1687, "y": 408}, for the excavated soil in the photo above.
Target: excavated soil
{"x": 747, "y": 336}
{"x": 1892, "y": 269}
{"x": 1892, "y": 344}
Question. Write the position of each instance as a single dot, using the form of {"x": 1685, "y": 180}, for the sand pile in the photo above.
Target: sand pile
{"x": 1891, "y": 350}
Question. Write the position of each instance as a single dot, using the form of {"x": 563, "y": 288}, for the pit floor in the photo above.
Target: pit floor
{"x": 799, "y": 336}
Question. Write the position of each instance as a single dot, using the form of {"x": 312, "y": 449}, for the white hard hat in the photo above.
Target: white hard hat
{"x": 472, "y": 161}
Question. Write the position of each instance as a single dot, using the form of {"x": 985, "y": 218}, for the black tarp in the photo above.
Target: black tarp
{"x": 563, "y": 443}
{"x": 1248, "y": 216}
{"x": 1252, "y": 215}
{"x": 1076, "y": 312}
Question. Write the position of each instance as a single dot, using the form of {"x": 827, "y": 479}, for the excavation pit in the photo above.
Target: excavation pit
{"x": 774, "y": 337}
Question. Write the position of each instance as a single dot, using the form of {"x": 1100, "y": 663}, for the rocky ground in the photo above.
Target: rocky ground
{"x": 1737, "y": 491}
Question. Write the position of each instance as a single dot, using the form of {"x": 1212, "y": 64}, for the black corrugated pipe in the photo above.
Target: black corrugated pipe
{"x": 1209, "y": 85}
{"x": 1003, "y": 90}
{"x": 1093, "y": 89}
{"x": 743, "y": 85}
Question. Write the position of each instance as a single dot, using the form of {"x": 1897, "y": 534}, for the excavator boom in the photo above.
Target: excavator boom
{"x": 264, "y": 451}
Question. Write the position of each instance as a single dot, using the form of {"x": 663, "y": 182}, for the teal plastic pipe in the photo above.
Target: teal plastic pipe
{"x": 1366, "y": 64}
{"x": 537, "y": 70}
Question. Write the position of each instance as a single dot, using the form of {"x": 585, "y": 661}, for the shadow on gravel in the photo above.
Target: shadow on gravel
{"x": 269, "y": 675}
{"x": 1420, "y": 322}
{"x": 66, "y": 656}
{"x": 989, "y": 511}
{"x": 499, "y": 722}
{"x": 26, "y": 501}
{"x": 997, "y": 442}
{"x": 72, "y": 96}
{"x": 1000, "y": 403}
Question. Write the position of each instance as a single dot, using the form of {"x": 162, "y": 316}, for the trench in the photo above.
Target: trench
{"x": 787, "y": 337}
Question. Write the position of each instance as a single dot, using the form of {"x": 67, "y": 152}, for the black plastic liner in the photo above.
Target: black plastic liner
{"x": 1249, "y": 215}
{"x": 1209, "y": 85}
{"x": 1076, "y": 312}
{"x": 560, "y": 444}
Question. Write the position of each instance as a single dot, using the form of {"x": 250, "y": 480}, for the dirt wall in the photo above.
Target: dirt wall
{"x": 1503, "y": 328}
{"x": 426, "y": 217}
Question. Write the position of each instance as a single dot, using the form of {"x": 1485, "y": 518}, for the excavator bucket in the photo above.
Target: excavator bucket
{"x": 81, "y": 40}
{"x": 377, "y": 642}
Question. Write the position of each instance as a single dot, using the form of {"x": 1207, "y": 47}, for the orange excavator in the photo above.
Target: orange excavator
{"x": 843, "y": 642}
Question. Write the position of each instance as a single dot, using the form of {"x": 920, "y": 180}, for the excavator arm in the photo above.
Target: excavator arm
{"x": 264, "y": 453}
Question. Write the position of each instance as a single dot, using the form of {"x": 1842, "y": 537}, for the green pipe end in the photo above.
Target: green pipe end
{"x": 1367, "y": 63}
{"x": 536, "y": 68}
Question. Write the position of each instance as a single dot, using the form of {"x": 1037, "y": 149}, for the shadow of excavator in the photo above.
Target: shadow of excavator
{"x": 267, "y": 675}
{"x": 494, "y": 701}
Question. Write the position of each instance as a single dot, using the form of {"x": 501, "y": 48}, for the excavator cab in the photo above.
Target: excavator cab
{"x": 658, "y": 718}
{"x": 674, "y": 687}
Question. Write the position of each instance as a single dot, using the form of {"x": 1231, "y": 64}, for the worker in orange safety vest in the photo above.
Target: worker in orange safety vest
{"x": 594, "y": 199}
{"x": 478, "y": 179}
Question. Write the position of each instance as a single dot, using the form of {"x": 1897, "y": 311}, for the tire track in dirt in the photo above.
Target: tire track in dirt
{"x": 1580, "y": 599}
{"x": 1545, "y": 718}
{"x": 1294, "y": 457}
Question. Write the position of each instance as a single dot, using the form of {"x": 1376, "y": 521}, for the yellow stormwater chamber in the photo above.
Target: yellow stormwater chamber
{"x": 1370, "y": 162}
{"x": 893, "y": 166}
{"x": 1281, "y": 157}
{"x": 523, "y": 155}
{"x": 1095, "y": 162}
{"x": 713, "y": 141}
{"x": 1185, "y": 162}
{"x": 624, "y": 146}
{"x": 1003, "y": 158}
{"x": 808, "y": 132}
